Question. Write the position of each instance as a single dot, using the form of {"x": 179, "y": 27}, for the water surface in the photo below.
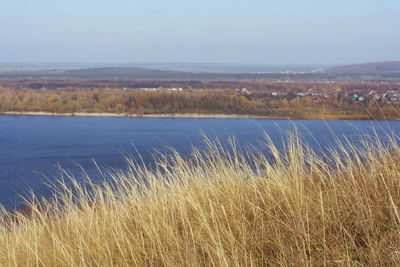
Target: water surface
{"x": 32, "y": 148}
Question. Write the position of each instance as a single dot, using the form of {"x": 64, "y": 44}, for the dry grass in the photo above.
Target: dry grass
{"x": 223, "y": 208}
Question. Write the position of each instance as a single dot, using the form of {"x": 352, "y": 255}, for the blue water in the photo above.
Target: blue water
{"x": 33, "y": 148}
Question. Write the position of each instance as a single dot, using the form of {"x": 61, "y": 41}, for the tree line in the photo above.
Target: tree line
{"x": 211, "y": 101}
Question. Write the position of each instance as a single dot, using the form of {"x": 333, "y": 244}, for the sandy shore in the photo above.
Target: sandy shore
{"x": 194, "y": 116}
{"x": 189, "y": 115}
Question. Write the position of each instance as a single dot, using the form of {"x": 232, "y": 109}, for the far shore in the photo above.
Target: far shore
{"x": 189, "y": 115}
{"x": 105, "y": 114}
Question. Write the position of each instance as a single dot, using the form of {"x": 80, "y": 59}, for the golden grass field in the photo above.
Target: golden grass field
{"x": 222, "y": 207}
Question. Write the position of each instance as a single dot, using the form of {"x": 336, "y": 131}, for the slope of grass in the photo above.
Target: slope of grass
{"x": 222, "y": 208}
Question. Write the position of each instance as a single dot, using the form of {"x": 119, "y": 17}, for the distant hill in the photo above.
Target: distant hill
{"x": 374, "y": 68}
{"x": 375, "y": 72}
{"x": 132, "y": 73}
{"x": 95, "y": 73}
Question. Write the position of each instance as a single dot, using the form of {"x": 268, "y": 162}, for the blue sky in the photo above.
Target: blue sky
{"x": 219, "y": 31}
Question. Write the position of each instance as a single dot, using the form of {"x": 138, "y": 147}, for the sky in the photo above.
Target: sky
{"x": 206, "y": 31}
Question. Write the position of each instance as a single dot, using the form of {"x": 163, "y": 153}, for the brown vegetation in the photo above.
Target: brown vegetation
{"x": 216, "y": 101}
{"x": 222, "y": 208}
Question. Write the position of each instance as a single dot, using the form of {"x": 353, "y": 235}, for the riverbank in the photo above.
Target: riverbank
{"x": 97, "y": 114}
{"x": 200, "y": 116}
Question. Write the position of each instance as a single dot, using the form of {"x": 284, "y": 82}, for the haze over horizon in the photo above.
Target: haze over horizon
{"x": 287, "y": 32}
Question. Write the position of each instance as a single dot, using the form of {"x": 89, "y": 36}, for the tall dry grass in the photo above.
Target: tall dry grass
{"x": 222, "y": 208}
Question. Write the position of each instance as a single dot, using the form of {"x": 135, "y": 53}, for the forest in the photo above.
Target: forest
{"x": 208, "y": 101}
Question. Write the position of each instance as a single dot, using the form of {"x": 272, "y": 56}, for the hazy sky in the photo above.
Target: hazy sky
{"x": 206, "y": 31}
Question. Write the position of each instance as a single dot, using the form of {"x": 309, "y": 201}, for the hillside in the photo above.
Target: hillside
{"x": 375, "y": 72}
{"x": 375, "y": 68}
{"x": 222, "y": 208}
{"x": 94, "y": 73}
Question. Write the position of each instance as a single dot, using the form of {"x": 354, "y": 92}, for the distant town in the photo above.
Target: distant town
{"x": 333, "y": 101}
{"x": 369, "y": 91}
